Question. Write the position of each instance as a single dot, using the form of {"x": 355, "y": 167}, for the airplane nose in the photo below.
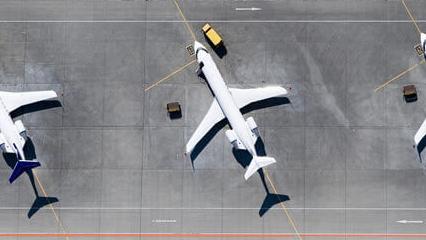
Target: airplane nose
{"x": 198, "y": 45}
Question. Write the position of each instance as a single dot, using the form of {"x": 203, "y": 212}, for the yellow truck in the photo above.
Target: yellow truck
{"x": 211, "y": 35}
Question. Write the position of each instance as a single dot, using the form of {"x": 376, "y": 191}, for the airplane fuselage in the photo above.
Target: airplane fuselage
{"x": 225, "y": 100}
{"x": 14, "y": 142}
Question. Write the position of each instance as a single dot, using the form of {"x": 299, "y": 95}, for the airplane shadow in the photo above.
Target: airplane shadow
{"x": 34, "y": 107}
{"x": 243, "y": 157}
{"x": 39, "y": 201}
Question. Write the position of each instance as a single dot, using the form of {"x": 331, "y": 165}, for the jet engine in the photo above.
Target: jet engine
{"x": 233, "y": 139}
{"x": 21, "y": 129}
{"x": 253, "y": 126}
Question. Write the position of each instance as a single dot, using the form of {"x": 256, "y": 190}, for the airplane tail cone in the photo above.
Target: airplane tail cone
{"x": 21, "y": 166}
{"x": 257, "y": 163}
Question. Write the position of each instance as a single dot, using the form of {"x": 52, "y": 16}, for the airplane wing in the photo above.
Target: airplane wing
{"x": 420, "y": 140}
{"x": 14, "y": 100}
{"x": 213, "y": 116}
{"x": 244, "y": 97}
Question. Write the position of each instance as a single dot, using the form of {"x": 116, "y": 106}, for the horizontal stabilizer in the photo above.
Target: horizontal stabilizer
{"x": 21, "y": 166}
{"x": 257, "y": 163}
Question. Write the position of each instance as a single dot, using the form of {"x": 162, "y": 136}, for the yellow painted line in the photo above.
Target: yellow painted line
{"x": 399, "y": 75}
{"x": 185, "y": 21}
{"x": 290, "y": 219}
{"x": 170, "y": 75}
{"x": 411, "y": 16}
{"x": 50, "y": 204}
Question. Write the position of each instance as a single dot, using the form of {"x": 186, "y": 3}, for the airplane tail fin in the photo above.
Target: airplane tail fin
{"x": 257, "y": 163}
{"x": 21, "y": 166}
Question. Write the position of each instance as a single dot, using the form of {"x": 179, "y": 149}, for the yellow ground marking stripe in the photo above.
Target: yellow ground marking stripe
{"x": 411, "y": 16}
{"x": 290, "y": 219}
{"x": 399, "y": 75}
{"x": 50, "y": 204}
{"x": 170, "y": 75}
{"x": 184, "y": 20}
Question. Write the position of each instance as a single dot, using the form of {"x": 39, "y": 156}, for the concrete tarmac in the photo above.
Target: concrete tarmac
{"x": 114, "y": 158}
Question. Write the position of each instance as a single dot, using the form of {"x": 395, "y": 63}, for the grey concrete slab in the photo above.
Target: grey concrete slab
{"x": 245, "y": 64}
{"x": 171, "y": 157}
{"x": 405, "y": 189}
{"x": 122, "y": 148}
{"x": 324, "y": 148}
{"x": 36, "y": 73}
{"x": 252, "y": 222}
{"x": 203, "y": 189}
{"x": 83, "y": 191}
{"x": 123, "y": 104}
{"x": 9, "y": 221}
{"x": 83, "y": 221}
{"x": 130, "y": 10}
{"x": 287, "y": 146}
{"x": 370, "y": 221}
{"x": 366, "y": 188}
{"x": 10, "y": 192}
{"x": 42, "y": 222}
{"x": 161, "y": 10}
{"x": 47, "y": 52}
{"x": 120, "y": 221}
{"x": 366, "y": 149}
{"x": 124, "y": 60}
{"x": 330, "y": 221}
{"x": 202, "y": 221}
{"x": 82, "y": 148}
{"x": 12, "y": 10}
{"x": 325, "y": 188}
{"x": 121, "y": 187}
{"x": 162, "y": 189}
{"x": 43, "y": 10}
{"x": 85, "y": 60}
{"x": 277, "y": 221}
{"x": 12, "y": 32}
{"x": 83, "y": 104}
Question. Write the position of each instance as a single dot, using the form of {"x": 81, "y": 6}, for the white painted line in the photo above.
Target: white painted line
{"x": 410, "y": 221}
{"x": 248, "y": 9}
{"x": 231, "y": 208}
{"x": 212, "y": 20}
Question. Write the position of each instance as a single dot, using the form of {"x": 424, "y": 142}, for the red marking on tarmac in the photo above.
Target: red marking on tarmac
{"x": 219, "y": 235}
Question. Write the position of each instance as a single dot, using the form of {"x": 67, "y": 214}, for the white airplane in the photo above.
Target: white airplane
{"x": 419, "y": 137}
{"x": 13, "y": 134}
{"x": 227, "y": 103}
